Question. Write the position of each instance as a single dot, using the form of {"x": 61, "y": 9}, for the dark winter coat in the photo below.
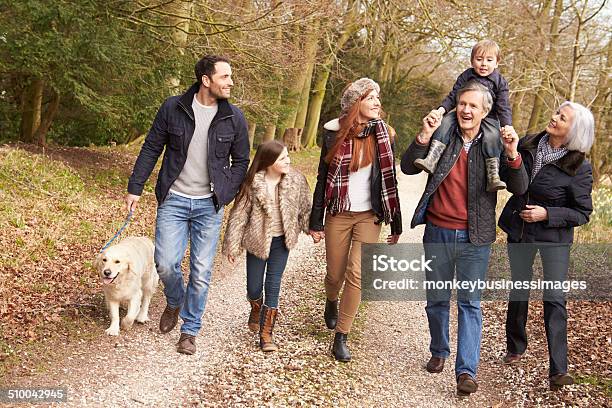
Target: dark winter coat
{"x": 481, "y": 204}
{"x": 173, "y": 129}
{"x": 563, "y": 187}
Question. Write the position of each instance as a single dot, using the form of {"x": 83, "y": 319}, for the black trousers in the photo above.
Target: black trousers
{"x": 555, "y": 263}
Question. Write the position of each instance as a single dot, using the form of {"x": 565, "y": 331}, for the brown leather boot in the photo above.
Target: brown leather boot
{"x": 168, "y": 319}
{"x": 266, "y": 325}
{"x": 186, "y": 344}
{"x": 254, "y": 316}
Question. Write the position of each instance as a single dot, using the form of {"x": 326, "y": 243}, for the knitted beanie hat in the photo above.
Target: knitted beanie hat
{"x": 355, "y": 90}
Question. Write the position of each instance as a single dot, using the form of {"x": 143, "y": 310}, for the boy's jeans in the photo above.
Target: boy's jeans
{"x": 181, "y": 220}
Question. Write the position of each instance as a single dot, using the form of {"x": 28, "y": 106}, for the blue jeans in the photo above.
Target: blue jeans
{"x": 181, "y": 220}
{"x": 452, "y": 252}
{"x": 256, "y": 268}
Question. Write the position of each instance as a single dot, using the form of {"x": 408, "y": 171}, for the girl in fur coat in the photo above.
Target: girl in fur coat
{"x": 271, "y": 208}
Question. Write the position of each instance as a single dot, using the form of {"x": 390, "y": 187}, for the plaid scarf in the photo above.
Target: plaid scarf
{"x": 336, "y": 188}
{"x": 546, "y": 154}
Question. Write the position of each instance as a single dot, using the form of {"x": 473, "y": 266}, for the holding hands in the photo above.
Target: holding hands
{"x": 510, "y": 141}
{"x": 317, "y": 236}
{"x": 437, "y": 114}
{"x": 430, "y": 123}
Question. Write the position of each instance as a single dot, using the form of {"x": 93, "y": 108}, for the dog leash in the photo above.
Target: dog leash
{"x": 125, "y": 224}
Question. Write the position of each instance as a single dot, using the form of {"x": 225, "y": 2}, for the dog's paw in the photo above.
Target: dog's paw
{"x": 126, "y": 324}
{"x": 142, "y": 319}
{"x": 112, "y": 331}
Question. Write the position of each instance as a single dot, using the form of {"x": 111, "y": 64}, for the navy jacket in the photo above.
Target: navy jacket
{"x": 497, "y": 85}
{"x": 563, "y": 187}
{"x": 171, "y": 133}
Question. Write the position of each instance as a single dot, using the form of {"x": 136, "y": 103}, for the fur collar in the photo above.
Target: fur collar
{"x": 570, "y": 163}
{"x": 260, "y": 190}
{"x": 333, "y": 125}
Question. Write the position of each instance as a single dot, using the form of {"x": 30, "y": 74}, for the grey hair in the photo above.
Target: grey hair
{"x": 581, "y": 134}
{"x": 473, "y": 85}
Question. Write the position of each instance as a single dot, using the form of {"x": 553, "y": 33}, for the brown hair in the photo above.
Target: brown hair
{"x": 266, "y": 155}
{"x": 350, "y": 128}
{"x": 484, "y": 47}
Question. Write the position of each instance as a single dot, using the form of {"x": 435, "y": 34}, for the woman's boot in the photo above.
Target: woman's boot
{"x": 266, "y": 326}
{"x": 331, "y": 313}
{"x": 254, "y": 316}
{"x": 339, "y": 348}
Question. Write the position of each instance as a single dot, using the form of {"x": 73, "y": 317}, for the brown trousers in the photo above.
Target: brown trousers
{"x": 344, "y": 260}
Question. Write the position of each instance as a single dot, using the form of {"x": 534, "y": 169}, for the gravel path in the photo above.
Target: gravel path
{"x": 389, "y": 343}
{"x": 396, "y": 339}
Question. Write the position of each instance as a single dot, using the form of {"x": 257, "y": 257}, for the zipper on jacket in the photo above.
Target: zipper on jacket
{"x": 523, "y": 225}
{"x": 523, "y": 221}
{"x": 212, "y": 184}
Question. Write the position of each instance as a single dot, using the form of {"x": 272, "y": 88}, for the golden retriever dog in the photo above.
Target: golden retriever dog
{"x": 128, "y": 273}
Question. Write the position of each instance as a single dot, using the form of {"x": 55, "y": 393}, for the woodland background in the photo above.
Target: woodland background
{"x": 95, "y": 72}
{"x": 80, "y": 83}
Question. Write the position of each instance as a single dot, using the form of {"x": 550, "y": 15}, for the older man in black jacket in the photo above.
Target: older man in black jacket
{"x": 198, "y": 132}
{"x": 460, "y": 218}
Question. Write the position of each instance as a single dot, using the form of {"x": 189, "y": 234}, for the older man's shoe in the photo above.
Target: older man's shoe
{"x": 557, "y": 381}
{"x": 435, "y": 365}
{"x": 186, "y": 344}
{"x": 466, "y": 385}
{"x": 168, "y": 319}
{"x": 512, "y": 358}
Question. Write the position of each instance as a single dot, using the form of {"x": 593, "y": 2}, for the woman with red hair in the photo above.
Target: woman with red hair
{"x": 356, "y": 192}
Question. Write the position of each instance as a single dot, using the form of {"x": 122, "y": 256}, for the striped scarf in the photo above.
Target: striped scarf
{"x": 546, "y": 154}
{"x": 336, "y": 188}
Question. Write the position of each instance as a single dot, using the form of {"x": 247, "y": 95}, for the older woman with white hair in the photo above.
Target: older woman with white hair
{"x": 543, "y": 219}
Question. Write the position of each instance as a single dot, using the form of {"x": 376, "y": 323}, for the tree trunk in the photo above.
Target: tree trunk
{"x": 291, "y": 139}
{"x": 184, "y": 9}
{"x": 40, "y": 136}
{"x": 538, "y": 103}
{"x": 293, "y": 96}
{"x": 252, "y": 127}
{"x": 31, "y": 107}
{"x": 269, "y": 133}
{"x": 300, "y": 118}
{"x": 314, "y": 108}
{"x": 600, "y": 152}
